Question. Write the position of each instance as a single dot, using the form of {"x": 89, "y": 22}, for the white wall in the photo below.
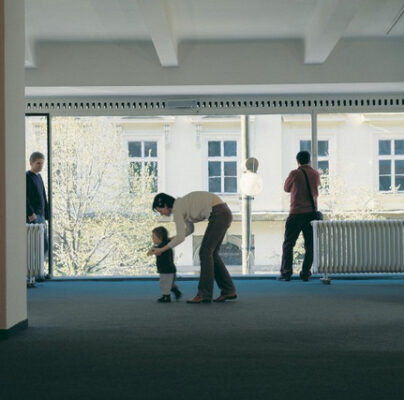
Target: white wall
{"x": 275, "y": 141}
{"x": 13, "y": 301}
{"x": 266, "y": 143}
{"x": 268, "y": 236}
{"x": 184, "y": 167}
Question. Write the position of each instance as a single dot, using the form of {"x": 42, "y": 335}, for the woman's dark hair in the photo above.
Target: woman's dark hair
{"x": 161, "y": 233}
{"x": 303, "y": 157}
{"x": 161, "y": 200}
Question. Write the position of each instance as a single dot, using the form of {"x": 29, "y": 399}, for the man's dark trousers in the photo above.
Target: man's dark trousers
{"x": 295, "y": 224}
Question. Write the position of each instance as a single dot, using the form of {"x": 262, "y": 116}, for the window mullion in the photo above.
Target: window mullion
{"x": 222, "y": 165}
{"x": 393, "y": 168}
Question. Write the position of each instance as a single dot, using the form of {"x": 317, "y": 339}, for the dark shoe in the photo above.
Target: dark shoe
{"x": 222, "y": 298}
{"x": 165, "y": 298}
{"x": 305, "y": 276}
{"x": 198, "y": 300}
{"x": 177, "y": 293}
{"x": 285, "y": 278}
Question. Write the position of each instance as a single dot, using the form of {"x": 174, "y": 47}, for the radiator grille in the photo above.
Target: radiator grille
{"x": 35, "y": 252}
{"x": 247, "y": 104}
{"x": 358, "y": 246}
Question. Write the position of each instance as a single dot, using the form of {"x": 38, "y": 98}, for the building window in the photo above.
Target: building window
{"x": 230, "y": 254}
{"x": 323, "y": 161}
{"x": 143, "y": 161}
{"x": 323, "y": 154}
{"x": 391, "y": 165}
{"x": 230, "y": 249}
{"x": 222, "y": 166}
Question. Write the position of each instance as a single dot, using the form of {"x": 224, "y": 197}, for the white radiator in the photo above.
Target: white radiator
{"x": 366, "y": 246}
{"x": 35, "y": 253}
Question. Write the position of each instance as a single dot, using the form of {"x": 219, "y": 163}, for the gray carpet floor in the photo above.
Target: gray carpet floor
{"x": 279, "y": 340}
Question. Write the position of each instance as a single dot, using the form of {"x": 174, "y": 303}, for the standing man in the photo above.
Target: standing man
{"x": 37, "y": 204}
{"x": 196, "y": 207}
{"x": 300, "y": 215}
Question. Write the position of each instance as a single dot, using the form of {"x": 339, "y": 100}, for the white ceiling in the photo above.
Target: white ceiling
{"x": 192, "y": 20}
{"x": 319, "y": 24}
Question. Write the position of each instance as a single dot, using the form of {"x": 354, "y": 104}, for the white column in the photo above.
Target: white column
{"x": 246, "y": 200}
{"x": 13, "y": 297}
{"x": 314, "y": 140}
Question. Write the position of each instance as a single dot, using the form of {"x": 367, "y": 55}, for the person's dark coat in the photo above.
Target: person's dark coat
{"x": 37, "y": 202}
{"x": 165, "y": 261}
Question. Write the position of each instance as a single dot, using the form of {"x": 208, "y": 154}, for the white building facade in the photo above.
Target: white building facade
{"x": 361, "y": 158}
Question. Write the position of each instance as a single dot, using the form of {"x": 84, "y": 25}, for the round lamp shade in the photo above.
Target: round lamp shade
{"x": 251, "y": 184}
{"x": 251, "y": 164}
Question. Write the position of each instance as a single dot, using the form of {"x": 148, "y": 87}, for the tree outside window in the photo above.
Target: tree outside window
{"x": 100, "y": 226}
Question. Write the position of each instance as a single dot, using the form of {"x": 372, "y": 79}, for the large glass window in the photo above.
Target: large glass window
{"x": 102, "y": 217}
{"x": 391, "y": 165}
{"x": 222, "y": 166}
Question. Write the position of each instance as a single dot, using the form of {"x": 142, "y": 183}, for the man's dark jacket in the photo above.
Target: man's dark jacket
{"x": 36, "y": 196}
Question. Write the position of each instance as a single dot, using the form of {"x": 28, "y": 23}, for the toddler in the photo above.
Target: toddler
{"x": 165, "y": 266}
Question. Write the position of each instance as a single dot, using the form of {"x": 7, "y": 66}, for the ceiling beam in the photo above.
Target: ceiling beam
{"x": 328, "y": 24}
{"x": 157, "y": 20}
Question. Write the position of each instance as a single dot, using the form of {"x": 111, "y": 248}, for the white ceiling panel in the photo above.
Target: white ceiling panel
{"x": 84, "y": 20}
{"x": 240, "y": 19}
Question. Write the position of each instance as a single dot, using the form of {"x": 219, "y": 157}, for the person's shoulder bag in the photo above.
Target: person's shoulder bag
{"x": 318, "y": 214}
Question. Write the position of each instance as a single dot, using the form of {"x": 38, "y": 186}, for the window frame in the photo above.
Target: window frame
{"x": 332, "y": 167}
{"x": 392, "y": 137}
{"x": 319, "y": 158}
{"x": 160, "y": 159}
{"x": 221, "y": 137}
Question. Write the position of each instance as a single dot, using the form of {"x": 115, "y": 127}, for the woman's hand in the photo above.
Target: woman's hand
{"x": 155, "y": 251}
